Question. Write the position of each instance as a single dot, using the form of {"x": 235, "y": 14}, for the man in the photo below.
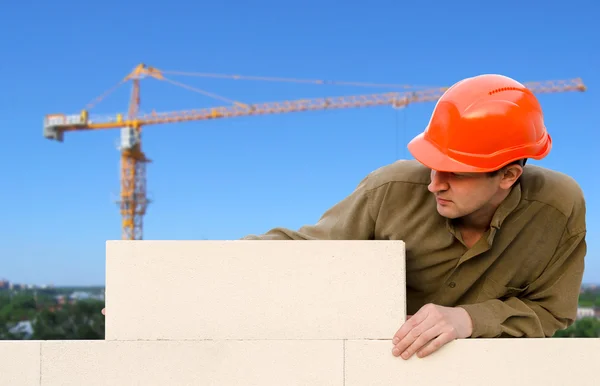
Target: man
{"x": 494, "y": 248}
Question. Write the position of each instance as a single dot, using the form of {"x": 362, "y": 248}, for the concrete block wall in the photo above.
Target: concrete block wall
{"x": 274, "y": 313}
{"x": 173, "y": 290}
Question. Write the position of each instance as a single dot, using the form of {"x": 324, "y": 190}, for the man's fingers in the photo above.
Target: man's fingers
{"x": 435, "y": 344}
{"x": 418, "y": 343}
{"x": 427, "y": 330}
{"x": 104, "y": 311}
{"x": 401, "y": 332}
{"x": 427, "y": 327}
{"x": 415, "y": 332}
{"x": 410, "y": 323}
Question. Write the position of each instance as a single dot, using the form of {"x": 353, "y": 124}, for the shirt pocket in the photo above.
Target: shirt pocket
{"x": 492, "y": 289}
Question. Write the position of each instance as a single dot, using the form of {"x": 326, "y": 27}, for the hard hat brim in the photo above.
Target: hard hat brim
{"x": 429, "y": 155}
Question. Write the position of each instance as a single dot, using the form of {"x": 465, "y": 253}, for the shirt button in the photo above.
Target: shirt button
{"x": 452, "y": 284}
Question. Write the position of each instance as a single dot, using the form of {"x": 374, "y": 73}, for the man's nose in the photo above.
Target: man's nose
{"x": 439, "y": 182}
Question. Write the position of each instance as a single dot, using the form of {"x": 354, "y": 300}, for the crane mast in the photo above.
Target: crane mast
{"x": 133, "y": 200}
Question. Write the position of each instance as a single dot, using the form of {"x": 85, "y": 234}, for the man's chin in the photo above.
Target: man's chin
{"x": 449, "y": 214}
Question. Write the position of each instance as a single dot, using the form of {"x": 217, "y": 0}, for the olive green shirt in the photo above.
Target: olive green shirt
{"x": 522, "y": 279}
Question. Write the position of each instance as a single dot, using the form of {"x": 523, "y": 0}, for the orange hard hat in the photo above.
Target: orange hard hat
{"x": 481, "y": 124}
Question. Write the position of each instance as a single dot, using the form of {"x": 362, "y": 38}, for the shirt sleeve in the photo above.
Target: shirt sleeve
{"x": 353, "y": 218}
{"x": 548, "y": 305}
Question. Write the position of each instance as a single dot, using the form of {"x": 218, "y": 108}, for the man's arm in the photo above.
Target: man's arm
{"x": 550, "y": 303}
{"x": 353, "y": 218}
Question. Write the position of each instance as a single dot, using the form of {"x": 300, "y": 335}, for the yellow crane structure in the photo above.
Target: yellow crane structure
{"x": 133, "y": 200}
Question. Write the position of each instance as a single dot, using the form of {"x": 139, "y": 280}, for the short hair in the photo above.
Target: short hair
{"x": 520, "y": 162}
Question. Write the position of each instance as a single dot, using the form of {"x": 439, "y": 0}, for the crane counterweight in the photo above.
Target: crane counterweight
{"x": 54, "y": 132}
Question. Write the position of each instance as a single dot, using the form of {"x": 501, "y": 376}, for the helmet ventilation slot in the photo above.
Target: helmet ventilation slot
{"x": 504, "y": 89}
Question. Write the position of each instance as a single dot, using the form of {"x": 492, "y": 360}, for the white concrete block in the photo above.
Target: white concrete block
{"x": 20, "y": 363}
{"x": 248, "y": 289}
{"x": 490, "y": 362}
{"x": 203, "y": 363}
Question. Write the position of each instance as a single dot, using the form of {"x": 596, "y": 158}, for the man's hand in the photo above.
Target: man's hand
{"x": 429, "y": 329}
{"x": 104, "y": 311}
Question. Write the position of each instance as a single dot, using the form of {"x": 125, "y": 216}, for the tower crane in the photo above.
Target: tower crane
{"x": 133, "y": 199}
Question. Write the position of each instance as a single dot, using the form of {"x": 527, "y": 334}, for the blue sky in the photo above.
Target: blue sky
{"x": 228, "y": 178}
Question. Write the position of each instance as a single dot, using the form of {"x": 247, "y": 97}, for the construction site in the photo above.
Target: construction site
{"x": 235, "y": 193}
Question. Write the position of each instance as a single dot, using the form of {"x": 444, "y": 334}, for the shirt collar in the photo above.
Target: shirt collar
{"x": 507, "y": 206}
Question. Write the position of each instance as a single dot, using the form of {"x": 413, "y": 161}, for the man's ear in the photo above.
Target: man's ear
{"x": 510, "y": 175}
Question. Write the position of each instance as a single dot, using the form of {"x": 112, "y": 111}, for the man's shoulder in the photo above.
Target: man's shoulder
{"x": 552, "y": 188}
{"x": 402, "y": 171}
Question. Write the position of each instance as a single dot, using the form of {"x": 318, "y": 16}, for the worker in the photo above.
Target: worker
{"x": 494, "y": 248}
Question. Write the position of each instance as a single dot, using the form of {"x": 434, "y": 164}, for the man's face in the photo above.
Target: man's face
{"x": 462, "y": 194}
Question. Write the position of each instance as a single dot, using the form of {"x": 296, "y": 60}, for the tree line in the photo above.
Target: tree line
{"x": 82, "y": 319}
{"x": 48, "y": 320}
